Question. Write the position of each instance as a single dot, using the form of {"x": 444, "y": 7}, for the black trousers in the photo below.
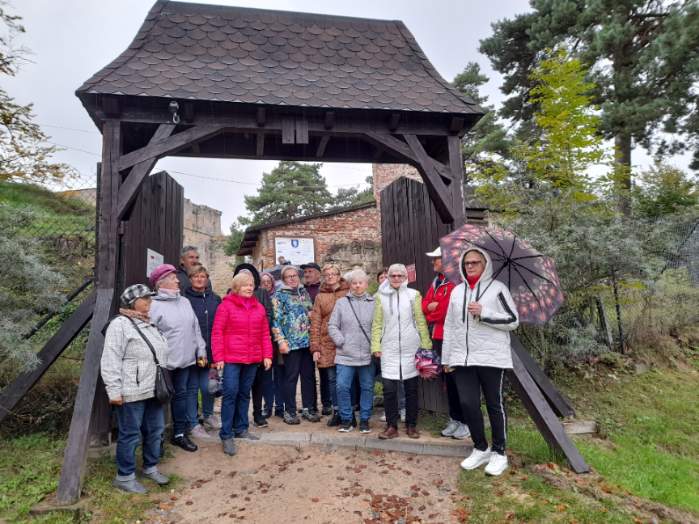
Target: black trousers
{"x": 262, "y": 388}
{"x": 452, "y": 393}
{"x": 390, "y": 401}
{"x": 325, "y": 398}
{"x": 299, "y": 363}
{"x": 470, "y": 381}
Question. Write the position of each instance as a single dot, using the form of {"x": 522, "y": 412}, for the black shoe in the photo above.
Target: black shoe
{"x": 327, "y": 410}
{"x": 364, "y": 427}
{"x": 279, "y": 413}
{"x": 346, "y": 427}
{"x": 291, "y": 419}
{"x": 310, "y": 416}
{"x": 183, "y": 442}
{"x": 354, "y": 421}
{"x": 260, "y": 422}
{"x": 334, "y": 420}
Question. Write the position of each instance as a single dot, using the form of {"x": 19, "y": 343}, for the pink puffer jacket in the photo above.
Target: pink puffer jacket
{"x": 241, "y": 331}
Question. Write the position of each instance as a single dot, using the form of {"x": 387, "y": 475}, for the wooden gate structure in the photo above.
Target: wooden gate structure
{"x": 226, "y": 82}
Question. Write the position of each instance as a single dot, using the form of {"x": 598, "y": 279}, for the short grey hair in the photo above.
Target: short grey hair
{"x": 187, "y": 249}
{"x": 398, "y": 268}
{"x": 286, "y": 269}
{"x": 355, "y": 275}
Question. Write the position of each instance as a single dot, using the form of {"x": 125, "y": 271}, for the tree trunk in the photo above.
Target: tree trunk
{"x": 622, "y": 171}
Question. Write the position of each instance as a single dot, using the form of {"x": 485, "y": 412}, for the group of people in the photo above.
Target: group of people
{"x": 265, "y": 336}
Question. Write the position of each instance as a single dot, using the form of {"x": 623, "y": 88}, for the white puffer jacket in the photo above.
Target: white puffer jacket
{"x": 484, "y": 340}
{"x": 398, "y": 330}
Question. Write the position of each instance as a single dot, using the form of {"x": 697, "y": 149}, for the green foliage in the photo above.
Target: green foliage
{"x": 664, "y": 190}
{"x": 234, "y": 239}
{"x": 24, "y": 154}
{"x": 347, "y": 197}
{"x": 290, "y": 190}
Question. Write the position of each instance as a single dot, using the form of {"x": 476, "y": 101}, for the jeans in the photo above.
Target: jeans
{"x": 207, "y": 400}
{"x": 345, "y": 378}
{"x": 390, "y": 400}
{"x": 470, "y": 380}
{"x": 328, "y": 397}
{"x": 262, "y": 388}
{"x": 331, "y": 381}
{"x": 143, "y": 418}
{"x": 237, "y": 382}
{"x": 184, "y": 401}
{"x": 278, "y": 387}
{"x": 299, "y": 362}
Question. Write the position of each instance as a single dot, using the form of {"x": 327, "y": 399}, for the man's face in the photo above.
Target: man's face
{"x": 311, "y": 275}
{"x": 190, "y": 259}
{"x": 437, "y": 265}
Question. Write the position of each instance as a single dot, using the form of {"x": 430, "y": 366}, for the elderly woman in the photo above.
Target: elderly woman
{"x": 398, "y": 331}
{"x": 349, "y": 327}
{"x": 131, "y": 346}
{"x": 477, "y": 350}
{"x": 269, "y": 284}
{"x": 332, "y": 288}
{"x": 174, "y": 316}
{"x": 204, "y": 303}
{"x": 291, "y": 331}
{"x": 240, "y": 341}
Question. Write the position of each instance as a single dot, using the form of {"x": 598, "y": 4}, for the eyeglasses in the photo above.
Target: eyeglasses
{"x": 396, "y": 276}
{"x": 472, "y": 262}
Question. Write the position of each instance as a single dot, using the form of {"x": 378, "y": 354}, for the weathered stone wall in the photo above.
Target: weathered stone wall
{"x": 350, "y": 239}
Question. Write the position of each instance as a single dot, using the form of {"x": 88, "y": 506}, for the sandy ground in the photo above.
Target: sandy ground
{"x": 270, "y": 484}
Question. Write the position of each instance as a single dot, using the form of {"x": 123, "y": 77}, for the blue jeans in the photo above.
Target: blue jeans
{"x": 237, "y": 382}
{"x": 184, "y": 401}
{"x": 143, "y": 418}
{"x": 331, "y": 377}
{"x": 345, "y": 377}
{"x": 207, "y": 401}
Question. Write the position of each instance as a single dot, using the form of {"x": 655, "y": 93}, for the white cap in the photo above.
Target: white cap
{"x": 437, "y": 253}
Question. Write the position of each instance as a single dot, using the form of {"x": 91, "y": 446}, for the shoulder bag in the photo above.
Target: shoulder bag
{"x": 164, "y": 389}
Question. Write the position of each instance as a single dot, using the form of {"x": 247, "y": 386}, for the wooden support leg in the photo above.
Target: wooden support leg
{"x": 557, "y": 400}
{"x": 543, "y": 416}
{"x": 70, "y": 329}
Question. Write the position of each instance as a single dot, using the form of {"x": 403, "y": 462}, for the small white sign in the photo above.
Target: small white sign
{"x": 295, "y": 250}
{"x": 153, "y": 260}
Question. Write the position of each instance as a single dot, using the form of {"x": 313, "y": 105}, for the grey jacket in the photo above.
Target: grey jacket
{"x": 174, "y": 316}
{"x": 127, "y": 366}
{"x": 352, "y": 347}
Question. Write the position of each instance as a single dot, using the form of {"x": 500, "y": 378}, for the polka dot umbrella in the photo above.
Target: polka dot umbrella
{"x": 530, "y": 276}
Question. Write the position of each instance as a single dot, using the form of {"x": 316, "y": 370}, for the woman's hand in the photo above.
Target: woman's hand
{"x": 116, "y": 401}
{"x": 432, "y": 306}
{"x": 284, "y": 348}
{"x": 267, "y": 363}
{"x": 447, "y": 369}
{"x": 202, "y": 362}
{"x": 377, "y": 354}
{"x": 218, "y": 366}
{"x": 316, "y": 356}
{"x": 475, "y": 308}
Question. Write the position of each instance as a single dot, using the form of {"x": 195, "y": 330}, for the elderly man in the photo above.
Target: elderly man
{"x": 189, "y": 259}
{"x": 311, "y": 279}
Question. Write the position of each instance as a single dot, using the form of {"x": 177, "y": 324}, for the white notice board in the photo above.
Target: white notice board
{"x": 295, "y": 250}
{"x": 153, "y": 260}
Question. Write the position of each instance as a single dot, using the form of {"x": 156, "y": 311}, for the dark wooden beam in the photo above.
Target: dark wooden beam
{"x": 322, "y": 145}
{"x": 129, "y": 190}
{"x": 399, "y": 147}
{"x": 301, "y": 130}
{"x": 456, "y": 187}
{"x": 393, "y": 121}
{"x": 261, "y": 117}
{"x": 543, "y": 416}
{"x": 111, "y": 106}
{"x": 260, "y": 144}
{"x": 188, "y": 112}
{"x": 168, "y": 145}
{"x": 456, "y": 124}
{"x": 288, "y": 131}
{"x": 105, "y": 282}
{"x": 70, "y": 328}
{"x": 439, "y": 192}
{"x": 329, "y": 120}
{"x": 557, "y": 400}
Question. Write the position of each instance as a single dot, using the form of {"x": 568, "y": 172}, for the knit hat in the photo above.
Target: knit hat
{"x": 134, "y": 292}
{"x": 161, "y": 272}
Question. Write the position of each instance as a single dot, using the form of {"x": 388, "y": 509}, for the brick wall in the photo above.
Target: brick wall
{"x": 384, "y": 174}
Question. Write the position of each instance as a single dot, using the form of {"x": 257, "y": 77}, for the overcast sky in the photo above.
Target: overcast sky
{"x": 70, "y": 40}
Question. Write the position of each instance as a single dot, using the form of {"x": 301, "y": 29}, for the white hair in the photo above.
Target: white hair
{"x": 355, "y": 275}
{"x": 398, "y": 268}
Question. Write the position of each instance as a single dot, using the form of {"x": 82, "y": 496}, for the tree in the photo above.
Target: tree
{"x": 291, "y": 190}
{"x": 641, "y": 55}
{"x": 665, "y": 190}
{"x": 347, "y": 197}
{"x": 234, "y": 239}
{"x": 24, "y": 154}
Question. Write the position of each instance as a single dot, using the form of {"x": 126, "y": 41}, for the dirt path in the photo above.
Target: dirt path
{"x": 270, "y": 484}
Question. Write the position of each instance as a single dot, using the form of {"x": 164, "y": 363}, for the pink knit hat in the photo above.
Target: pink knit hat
{"x": 161, "y": 272}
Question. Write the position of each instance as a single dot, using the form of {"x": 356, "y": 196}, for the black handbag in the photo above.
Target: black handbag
{"x": 164, "y": 390}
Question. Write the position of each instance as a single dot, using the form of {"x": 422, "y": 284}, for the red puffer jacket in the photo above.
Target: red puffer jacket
{"x": 435, "y": 319}
{"x": 241, "y": 331}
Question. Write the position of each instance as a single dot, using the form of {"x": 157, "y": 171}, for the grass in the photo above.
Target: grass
{"x": 29, "y": 470}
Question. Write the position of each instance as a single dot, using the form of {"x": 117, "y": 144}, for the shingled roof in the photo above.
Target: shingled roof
{"x": 254, "y": 56}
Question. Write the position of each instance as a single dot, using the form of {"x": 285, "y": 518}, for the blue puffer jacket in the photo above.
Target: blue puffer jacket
{"x": 204, "y": 306}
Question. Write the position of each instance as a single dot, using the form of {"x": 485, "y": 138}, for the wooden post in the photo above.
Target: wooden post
{"x": 105, "y": 278}
{"x": 456, "y": 188}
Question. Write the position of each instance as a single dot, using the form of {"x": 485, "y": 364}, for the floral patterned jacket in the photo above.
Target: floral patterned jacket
{"x": 291, "y": 322}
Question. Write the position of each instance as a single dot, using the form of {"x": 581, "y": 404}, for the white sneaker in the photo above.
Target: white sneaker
{"x": 451, "y": 428}
{"x": 402, "y": 415}
{"x": 461, "y": 432}
{"x": 213, "y": 422}
{"x": 496, "y": 465}
{"x": 476, "y": 459}
{"x": 198, "y": 431}
{"x": 383, "y": 417}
